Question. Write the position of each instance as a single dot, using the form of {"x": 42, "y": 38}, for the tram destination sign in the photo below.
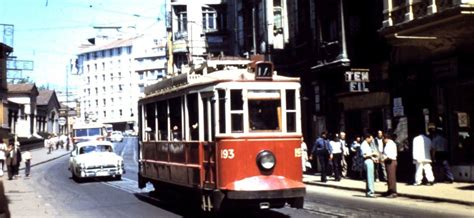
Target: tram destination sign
{"x": 263, "y": 70}
{"x": 357, "y": 79}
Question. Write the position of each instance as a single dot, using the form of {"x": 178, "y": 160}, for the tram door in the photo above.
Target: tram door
{"x": 209, "y": 139}
{"x": 208, "y": 116}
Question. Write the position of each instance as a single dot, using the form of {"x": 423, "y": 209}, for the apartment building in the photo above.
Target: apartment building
{"x": 114, "y": 67}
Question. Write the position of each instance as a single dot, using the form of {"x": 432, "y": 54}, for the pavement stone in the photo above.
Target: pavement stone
{"x": 457, "y": 192}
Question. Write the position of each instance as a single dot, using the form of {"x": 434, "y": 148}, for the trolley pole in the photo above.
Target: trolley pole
{"x": 67, "y": 108}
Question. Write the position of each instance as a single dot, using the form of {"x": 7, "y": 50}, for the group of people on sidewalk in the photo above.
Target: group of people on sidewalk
{"x": 375, "y": 158}
{"x": 54, "y": 142}
{"x": 10, "y": 158}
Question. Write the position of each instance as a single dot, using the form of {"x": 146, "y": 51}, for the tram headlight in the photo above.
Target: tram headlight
{"x": 266, "y": 160}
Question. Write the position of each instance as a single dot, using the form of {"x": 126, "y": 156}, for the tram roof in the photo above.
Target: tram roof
{"x": 186, "y": 80}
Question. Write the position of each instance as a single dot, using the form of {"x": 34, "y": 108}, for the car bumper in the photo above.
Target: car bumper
{"x": 86, "y": 173}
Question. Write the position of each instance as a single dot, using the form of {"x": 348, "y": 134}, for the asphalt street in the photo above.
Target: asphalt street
{"x": 110, "y": 198}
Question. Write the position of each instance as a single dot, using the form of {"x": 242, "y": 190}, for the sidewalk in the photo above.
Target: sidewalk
{"x": 22, "y": 199}
{"x": 457, "y": 192}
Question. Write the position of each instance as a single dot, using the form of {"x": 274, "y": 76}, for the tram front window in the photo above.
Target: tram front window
{"x": 264, "y": 115}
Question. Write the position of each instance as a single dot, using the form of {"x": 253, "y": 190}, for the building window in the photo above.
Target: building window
{"x": 120, "y": 112}
{"x": 209, "y": 17}
{"x": 142, "y": 88}
{"x": 104, "y": 89}
{"x": 103, "y": 77}
{"x": 182, "y": 21}
{"x": 96, "y": 90}
{"x": 97, "y": 103}
{"x": 140, "y": 75}
{"x": 120, "y": 87}
{"x": 104, "y": 101}
{"x": 105, "y": 114}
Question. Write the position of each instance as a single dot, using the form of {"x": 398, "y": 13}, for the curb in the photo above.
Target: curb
{"x": 467, "y": 203}
{"x": 47, "y": 160}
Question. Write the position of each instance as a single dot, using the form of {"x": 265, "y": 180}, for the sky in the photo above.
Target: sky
{"x": 49, "y": 32}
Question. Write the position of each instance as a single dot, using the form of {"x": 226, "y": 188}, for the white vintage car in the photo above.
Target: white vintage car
{"x": 95, "y": 159}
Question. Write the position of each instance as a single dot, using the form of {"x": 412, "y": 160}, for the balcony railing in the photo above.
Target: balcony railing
{"x": 402, "y": 11}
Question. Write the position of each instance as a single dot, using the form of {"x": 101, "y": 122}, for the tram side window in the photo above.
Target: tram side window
{"x": 175, "y": 118}
{"x": 193, "y": 113}
{"x": 162, "y": 120}
{"x": 236, "y": 110}
{"x": 150, "y": 120}
{"x": 221, "y": 96}
{"x": 290, "y": 110}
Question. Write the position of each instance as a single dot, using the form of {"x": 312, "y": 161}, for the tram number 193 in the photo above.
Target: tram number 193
{"x": 227, "y": 154}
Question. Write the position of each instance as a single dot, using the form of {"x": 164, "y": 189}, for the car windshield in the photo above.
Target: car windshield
{"x": 95, "y": 148}
{"x": 87, "y": 132}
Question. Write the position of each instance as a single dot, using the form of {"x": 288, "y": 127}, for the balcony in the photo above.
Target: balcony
{"x": 434, "y": 23}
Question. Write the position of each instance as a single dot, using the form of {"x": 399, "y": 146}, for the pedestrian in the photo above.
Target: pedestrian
{"x": 357, "y": 159}
{"x": 320, "y": 152}
{"x": 12, "y": 158}
{"x": 3, "y": 148}
{"x": 422, "y": 149}
{"x": 47, "y": 144}
{"x": 390, "y": 159}
{"x": 380, "y": 170}
{"x": 62, "y": 140}
{"x": 304, "y": 156}
{"x": 57, "y": 141}
{"x": 336, "y": 156}
{"x": 440, "y": 145}
{"x": 16, "y": 171}
{"x": 345, "y": 160}
{"x": 27, "y": 157}
{"x": 371, "y": 156}
{"x": 175, "y": 133}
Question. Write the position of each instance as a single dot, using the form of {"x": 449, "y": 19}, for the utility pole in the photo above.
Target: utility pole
{"x": 169, "y": 42}
{"x": 67, "y": 107}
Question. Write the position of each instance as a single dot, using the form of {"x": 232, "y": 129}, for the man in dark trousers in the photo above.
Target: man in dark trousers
{"x": 4, "y": 212}
{"x": 321, "y": 150}
{"x": 13, "y": 159}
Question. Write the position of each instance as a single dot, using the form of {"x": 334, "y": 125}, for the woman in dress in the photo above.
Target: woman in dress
{"x": 357, "y": 159}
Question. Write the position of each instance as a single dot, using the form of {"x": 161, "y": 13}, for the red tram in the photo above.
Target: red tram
{"x": 230, "y": 135}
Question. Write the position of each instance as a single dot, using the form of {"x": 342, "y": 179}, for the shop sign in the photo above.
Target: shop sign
{"x": 463, "y": 119}
{"x": 357, "y": 79}
{"x": 398, "y": 110}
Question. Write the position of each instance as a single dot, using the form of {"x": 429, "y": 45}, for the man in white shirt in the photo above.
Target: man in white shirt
{"x": 345, "y": 154}
{"x": 422, "y": 149}
{"x": 390, "y": 159}
{"x": 370, "y": 154}
{"x": 380, "y": 171}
